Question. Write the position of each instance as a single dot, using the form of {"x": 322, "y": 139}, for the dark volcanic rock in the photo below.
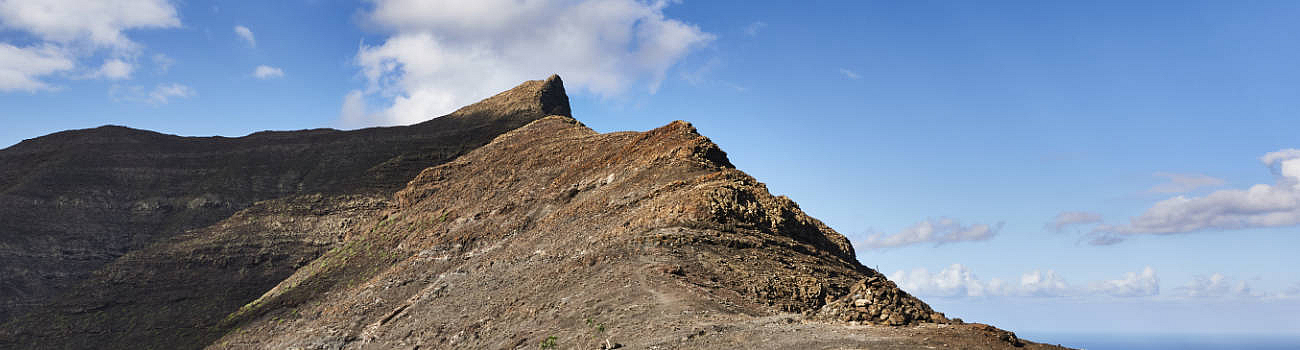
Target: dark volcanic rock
{"x": 73, "y": 201}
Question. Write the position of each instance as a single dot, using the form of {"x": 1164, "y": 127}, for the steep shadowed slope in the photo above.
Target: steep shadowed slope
{"x": 71, "y": 202}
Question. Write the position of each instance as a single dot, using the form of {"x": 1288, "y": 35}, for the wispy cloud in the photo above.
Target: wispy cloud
{"x": 752, "y": 29}
{"x": 161, "y": 94}
{"x": 1179, "y": 183}
{"x": 1258, "y": 206}
{"x": 937, "y": 231}
{"x": 247, "y": 35}
{"x": 1071, "y": 218}
{"x": 162, "y": 63}
{"x": 267, "y": 72}
{"x": 850, "y": 74}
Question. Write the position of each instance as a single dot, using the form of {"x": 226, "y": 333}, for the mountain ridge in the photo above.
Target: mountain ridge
{"x": 75, "y": 200}
{"x": 547, "y": 232}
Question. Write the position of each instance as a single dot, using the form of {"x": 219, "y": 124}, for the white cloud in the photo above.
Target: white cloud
{"x": 246, "y": 34}
{"x": 67, "y": 30}
{"x": 1043, "y": 284}
{"x": 161, "y": 94}
{"x": 98, "y": 23}
{"x": 1179, "y": 183}
{"x": 850, "y": 74}
{"x": 162, "y": 62}
{"x": 1071, "y": 218}
{"x": 1273, "y": 157}
{"x": 440, "y": 55}
{"x": 1259, "y": 206}
{"x": 1218, "y": 285}
{"x": 957, "y": 280}
{"x": 753, "y": 28}
{"x": 1134, "y": 284}
{"x": 267, "y": 72}
{"x": 354, "y": 112}
{"x": 938, "y": 231}
{"x": 23, "y": 68}
{"x": 115, "y": 69}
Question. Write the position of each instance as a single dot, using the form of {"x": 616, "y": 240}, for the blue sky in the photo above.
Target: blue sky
{"x": 948, "y": 140}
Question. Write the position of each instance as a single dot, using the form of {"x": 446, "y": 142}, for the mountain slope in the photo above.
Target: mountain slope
{"x": 554, "y": 233}
{"x": 138, "y": 210}
{"x": 549, "y": 234}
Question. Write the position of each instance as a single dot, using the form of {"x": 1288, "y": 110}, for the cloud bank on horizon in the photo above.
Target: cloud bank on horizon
{"x": 440, "y": 55}
{"x": 958, "y": 281}
{"x": 1260, "y": 205}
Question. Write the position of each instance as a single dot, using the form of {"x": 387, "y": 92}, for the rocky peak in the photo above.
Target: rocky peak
{"x": 531, "y": 98}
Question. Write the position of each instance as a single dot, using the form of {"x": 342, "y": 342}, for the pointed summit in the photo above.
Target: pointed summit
{"x": 529, "y": 101}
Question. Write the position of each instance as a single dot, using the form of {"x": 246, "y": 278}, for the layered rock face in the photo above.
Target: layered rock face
{"x": 549, "y": 235}
{"x": 73, "y": 201}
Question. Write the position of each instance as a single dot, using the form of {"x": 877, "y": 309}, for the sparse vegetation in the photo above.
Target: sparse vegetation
{"x": 548, "y": 343}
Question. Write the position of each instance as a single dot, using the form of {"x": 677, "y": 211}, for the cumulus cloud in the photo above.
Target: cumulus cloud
{"x": 439, "y": 55}
{"x": 161, "y": 94}
{"x": 23, "y": 68}
{"x": 957, "y": 280}
{"x": 97, "y": 23}
{"x": 1179, "y": 183}
{"x": 247, "y": 35}
{"x": 1071, "y": 218}
{"x": 1218, "y": 285}
{"x": 850, "y": 74}
{"x": 1134, "y": 284}
{"x": 937, "y": 231}
{"x": 752, "y": 29}
{"x": 64, "y": 31}
{"x": 1260, "y": 205}
{"x": 115, "y": 69}
{"x": 267, "y": 72}
{"x": 1043, "y": 284}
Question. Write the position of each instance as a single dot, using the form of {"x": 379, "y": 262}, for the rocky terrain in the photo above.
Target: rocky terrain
{"x": 507, "y": 224}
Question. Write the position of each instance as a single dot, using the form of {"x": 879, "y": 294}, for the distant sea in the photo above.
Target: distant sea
{"x": 1166, "y": 341}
